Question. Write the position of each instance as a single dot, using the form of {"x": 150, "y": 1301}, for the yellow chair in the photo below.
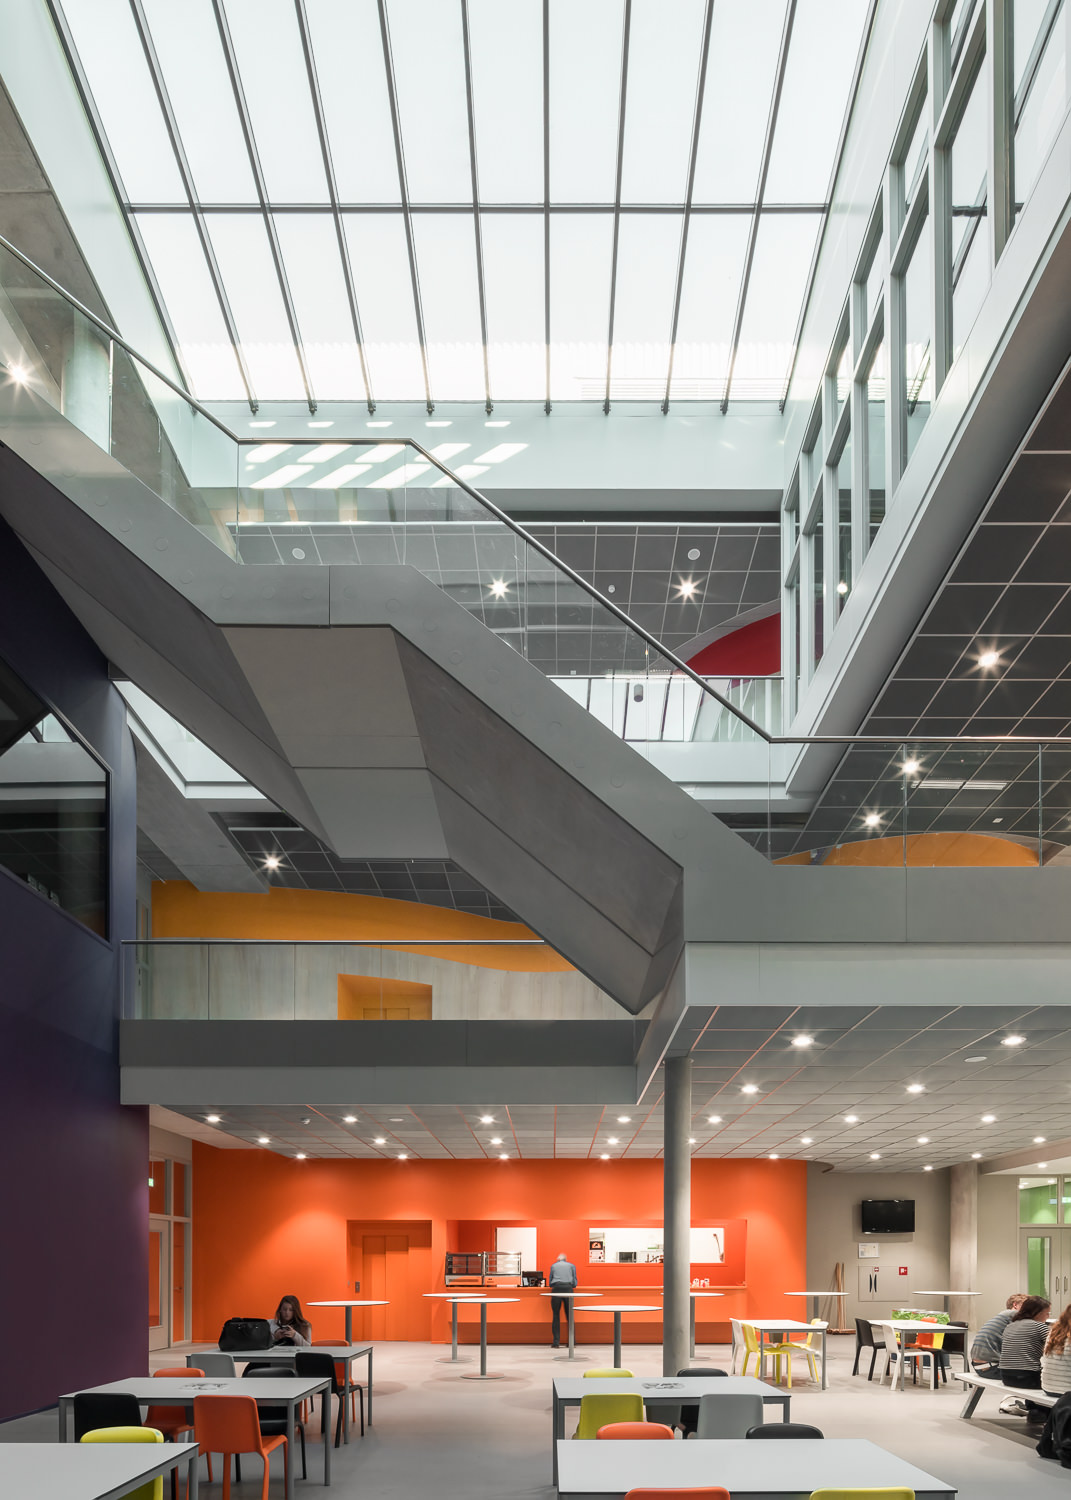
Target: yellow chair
{"x": 154, "y": 1490}
{"x": 896, "y": 1493}
{"x": 804, "y": 1346}
{"x": 600, "y": 1411}
{"x": 608, "y": 1374}
{"x": 751, "y": 1347}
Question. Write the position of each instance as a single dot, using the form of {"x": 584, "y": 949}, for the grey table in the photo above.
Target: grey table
{"x": 483, "y": 1302}
{"x": 150, "y": 1390}
{"x": 749, "y": 1471}
{"x": 90, "y": 1471}
{"x": 567, "y": 1391}
{"x": 570, "y": 1298}
{"x": 349, "y": 1303}
{"x": 341, "y": 1352}
{"x": 692, "y": 1296}
{"x": 619, "y": 1309}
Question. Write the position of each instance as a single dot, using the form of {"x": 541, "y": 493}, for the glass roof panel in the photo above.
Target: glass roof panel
{"x": 317, "y": 285}
{"x": 741, "y": 68}
{"x": 181, "y": 272}
{"x": 271, "y": 64}
{"x": 783, "y": 249}
{"x": 429, "y": 69}
{"x": 186, "y": 39}
{"x": 647, "y": 254}
{"x": 244, "y": 258}
{"x": 446, "y": 263}
{"x": 818, "y": 77}
{"x": 665, "y": 42}
{"x": 585, "y": 98}
{"x": 506, "y": 42}
{"x": 348, "y": 51}
{"x": 713, "y": 266}
{"x": 384, "y": 286}
{"x": 109, "y": 48}
{"x": 581, "y": 246}
{"x": 513, "y": 275}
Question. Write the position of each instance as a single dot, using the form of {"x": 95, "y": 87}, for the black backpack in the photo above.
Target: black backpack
{"x": 245, "y": 1333}
{"x": 1056, "y": 1438}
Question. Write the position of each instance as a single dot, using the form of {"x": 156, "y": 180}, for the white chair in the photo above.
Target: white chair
{"x": 728, "y": 1416}
{"x": 897, "y": 1359}
{"x": 738, "y": 1344}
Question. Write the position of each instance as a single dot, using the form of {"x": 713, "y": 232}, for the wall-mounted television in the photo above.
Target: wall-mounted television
{"x": 887, "y": 1215}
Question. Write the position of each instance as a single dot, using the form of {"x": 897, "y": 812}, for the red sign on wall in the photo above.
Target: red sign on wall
{"x": 903, "y": 1270}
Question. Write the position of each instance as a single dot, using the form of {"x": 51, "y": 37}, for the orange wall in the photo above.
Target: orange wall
{"x": 265, "y": 1225}
{"x": 179, "y": 910}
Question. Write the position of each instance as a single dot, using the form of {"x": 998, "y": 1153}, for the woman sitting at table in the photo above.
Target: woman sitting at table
{"x": 1056, "y": 1358}
{"x": 1021, "y": 1349}
{"x": 289, "y": 1325}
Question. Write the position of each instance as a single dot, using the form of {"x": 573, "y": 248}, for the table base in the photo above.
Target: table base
{"x": 483, "y": 1375}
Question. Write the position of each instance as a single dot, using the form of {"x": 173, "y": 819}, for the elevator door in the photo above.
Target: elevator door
{"x": 386, "y": 1275}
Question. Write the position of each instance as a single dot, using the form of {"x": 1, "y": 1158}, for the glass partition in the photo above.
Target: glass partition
{"x": 1037, "y": 1200}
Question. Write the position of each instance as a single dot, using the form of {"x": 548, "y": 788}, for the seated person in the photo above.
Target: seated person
{"x": 1020, "y": 1354}
{"x": 289, "y": 1326}
{"x": 1056, "y": 1357}
{"x": 985, "y": 1351}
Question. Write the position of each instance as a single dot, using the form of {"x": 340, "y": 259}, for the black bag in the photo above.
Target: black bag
{"x": 245, "y": 1333}
{"x": 1056, "y": 1439}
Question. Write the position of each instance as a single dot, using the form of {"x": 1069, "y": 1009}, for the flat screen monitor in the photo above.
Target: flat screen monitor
{"x": 888, "y": 1215}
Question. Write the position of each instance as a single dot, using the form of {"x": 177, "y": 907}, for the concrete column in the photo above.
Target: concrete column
{"x": 85, "y": 389}
{"x": 677, "y": 1215}
{"x": 963, "y": 1237}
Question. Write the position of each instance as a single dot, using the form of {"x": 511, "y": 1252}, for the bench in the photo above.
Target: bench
{"x": 975, "y": 1385}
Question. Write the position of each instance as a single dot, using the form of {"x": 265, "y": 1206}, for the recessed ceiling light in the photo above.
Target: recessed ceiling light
{"x": 18, "y": 374}
{"x": 260, "y": 424}
{"x": 605, "y": 1156}
{"x": 693, "y": 554}
{"x": 496, "y": 1140}
{"x": 988, "y": 659}
{"x": 504, "y": 1156}
{"x": 379, "y": 424}
{"x": 349, "y": 1119}
{"x": 911, "y": 767}
{"x": 438, "y": 424}
{"x": 212, "y": 1119}
{"x": 691, "y": 1140}
{"x": 487, "y": 1119}
{"x": 686, "y": 588}
{"x": 496, "y": 424}
{"x": 499, "y": 588}
{"x": 749, "y": 1088}
{"x": 380, "y": 1140}
{"x": 875, "y": 1156}
{"x": 842, "y": 587}
{"x": 927, "y": 1169}
{"x": 774, "y": 1156}
{"x": 263, "y": 1140}
{"x": 713, "y": 1119}
{"x": 916, "y": 1088}
{"x": 272, "y": 862}
{"x": 320, "y": 424}
{"x": 306, "y": 1119}
{"x": 851, "y": 1119}
{"x": 998, "y": 820}
{"x": 924, "y": 1140}
{"x": 403, "y": 1156}
{"x": 803, "y": 1041}
{"x": 974, "y": 1059}
{"x": 806, "y": 1140}
{"x": 1043, "y": 1165}
{"x": 301, "y": 1156}
{"x": 612, "y": 1140}
{"x": 1039, "y": 1140}
{"x": 989, "y": 1119}
{"x": 624, "y": 1119}
{"x": 396, "y": 1119}
{"x": 976, "y": 1156}
{"x": 1012, "y": 1041}
{"x": 872, "y": 820}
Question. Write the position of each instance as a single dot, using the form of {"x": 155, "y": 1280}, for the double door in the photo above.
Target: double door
{"x": 1045, "y": 1264}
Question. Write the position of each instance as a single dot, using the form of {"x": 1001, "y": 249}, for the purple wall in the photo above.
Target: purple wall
{"x": 73, "y": 1161}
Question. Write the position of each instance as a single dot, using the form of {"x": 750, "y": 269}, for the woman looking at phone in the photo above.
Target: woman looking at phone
{"x": 289, "y": 1325}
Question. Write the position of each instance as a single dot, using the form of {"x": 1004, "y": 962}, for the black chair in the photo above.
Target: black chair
{"x": 864, "y": 1339}
{"x": 322, "y": 1367}
{"x": 784, "y": 1430}
{"x": 954, "y": 1342}
{"x": 95, "y": 1409}
{"x": 273, "y": 1418}
{"x": 688, "y": 1420}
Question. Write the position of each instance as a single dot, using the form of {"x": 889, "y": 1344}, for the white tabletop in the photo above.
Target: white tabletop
{"x": 767, "y": 1323}
{"x": 914, "y": 1325}
{"x": 169, "y": 1390}
{"x": 478, "y": 1300}
{"x": 706, "y": 1294}
{"x": 610, "y": 1469}
{"x": 341, "y": 1350}
{"x": 568, "y": 1388}
{"x": 792, "y": 1294}
{"x": 81, "y": 1471}
{"x": 929, "y": 1292}
{"x": 348, "y": 1302}
{"x": 452, "y": 1296}
{"x": 605, "y": 1307}
{"x": 570, "y": 1294}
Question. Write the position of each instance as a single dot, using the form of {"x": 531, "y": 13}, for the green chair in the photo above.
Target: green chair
{"x": 896, "y": 1493}
{"x": 608, "y": 1374}
{"x": 600, "y": 1411}
{"x": 154, "y": 1490}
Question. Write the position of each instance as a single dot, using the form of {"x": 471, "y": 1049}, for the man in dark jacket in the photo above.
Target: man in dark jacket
{"x": 562, "y": 1278}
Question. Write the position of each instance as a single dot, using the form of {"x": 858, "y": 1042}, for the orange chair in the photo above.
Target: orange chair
{"x": 707, "y": 1492}
{"x": 230, "y": 1424}
{"x": 172, "y": 1420}
{"x": 630, "y": 1430}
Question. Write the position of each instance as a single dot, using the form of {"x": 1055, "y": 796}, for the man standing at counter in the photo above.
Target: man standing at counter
{"x": 562, "y": 1278}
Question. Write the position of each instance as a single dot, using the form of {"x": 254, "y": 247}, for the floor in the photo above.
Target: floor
{"x": 436, "y": 1434}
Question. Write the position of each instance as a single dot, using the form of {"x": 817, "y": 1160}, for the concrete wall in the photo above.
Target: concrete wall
{"x": 833, "y": 1234}
{"x": 998, "y": 1242}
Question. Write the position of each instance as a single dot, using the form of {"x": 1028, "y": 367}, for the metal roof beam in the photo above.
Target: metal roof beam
{"x": 617, "y": 198}
{"x": 480, "y": 285}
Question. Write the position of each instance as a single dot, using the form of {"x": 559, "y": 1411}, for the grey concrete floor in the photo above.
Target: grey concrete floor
{"x": 438, "y": 1435}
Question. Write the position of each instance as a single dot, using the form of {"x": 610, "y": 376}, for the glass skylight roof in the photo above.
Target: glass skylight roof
{"x": 472, "y": 200}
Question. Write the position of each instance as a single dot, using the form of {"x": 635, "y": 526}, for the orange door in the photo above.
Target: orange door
{"x": 386, "y": 1275}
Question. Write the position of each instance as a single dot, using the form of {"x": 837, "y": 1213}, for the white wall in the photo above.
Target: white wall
{"x": 998, "y": 1242}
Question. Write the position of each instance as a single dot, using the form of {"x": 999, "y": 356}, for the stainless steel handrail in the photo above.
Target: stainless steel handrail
{"x": 350, "y": 942}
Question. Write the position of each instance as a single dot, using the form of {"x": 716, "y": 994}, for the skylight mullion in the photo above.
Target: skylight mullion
{"x": 771, "y": 125}
{"x": 617, "y": 199}
{"x": 481, "y": 290}
{"x": 546, "y": 199}
{"x": 407, "y": 216}
{"x": 332, "y": 189}
{"x": 262, "y": 193}
{"x": 692, "y": 158}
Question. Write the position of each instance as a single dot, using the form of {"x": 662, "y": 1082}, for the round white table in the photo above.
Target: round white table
{"x": 349, "y": 1305}
{"x": 568, "y": 1297}
{"x": 483, "y": 1373}
{"x": 617, "y": 1308}
{"x": 817, "y": 1297}
{"x": 929, "y": 1292}
{"x": 454, "y": 1298}
{"x": 691, "y": 1320}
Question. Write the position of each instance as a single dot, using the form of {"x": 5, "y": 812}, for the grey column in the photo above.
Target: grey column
{"x": 677, "y": 1214}
{"x": 963, "y": 1237}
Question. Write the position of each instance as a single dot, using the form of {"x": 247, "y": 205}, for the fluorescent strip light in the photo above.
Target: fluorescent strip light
{"x": 397, "y": 477}
{"x": 265, "y": 451}
{"x": 381, "y": 451}
{"x": 279, "y": 478}
{"x": 937, "y": 785}
{"x": 502, "y": 452}
{"x": 339, "y": 477}
{"x": 325, "y": 451}
{"x": 466, "y": 471}
{"x": 262, "y": 424}
{"x": 447, "y": 450}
